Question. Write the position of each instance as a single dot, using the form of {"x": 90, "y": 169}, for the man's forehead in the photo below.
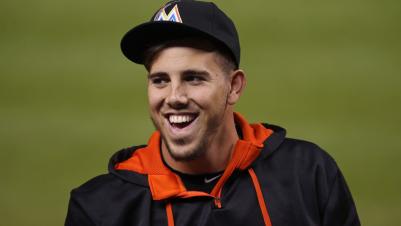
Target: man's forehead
{"x": 173, "y": 52}
{"x": 183, "y": 58}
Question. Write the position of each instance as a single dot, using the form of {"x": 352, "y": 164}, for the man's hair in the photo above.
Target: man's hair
{"x": 223, "y": 57}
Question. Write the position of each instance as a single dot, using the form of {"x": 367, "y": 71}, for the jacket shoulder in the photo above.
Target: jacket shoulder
{"x": 305, "y": 151}
{"x": 95, "y": 183}
{"x": 102, "y": 195}
{"x": 302, "y": 161}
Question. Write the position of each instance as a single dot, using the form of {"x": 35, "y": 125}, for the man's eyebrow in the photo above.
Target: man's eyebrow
{"x": 196, "y": 72}
{"x": 156, "y": 74}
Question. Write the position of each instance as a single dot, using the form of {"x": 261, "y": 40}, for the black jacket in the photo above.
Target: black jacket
{"x": 288, "y": 182}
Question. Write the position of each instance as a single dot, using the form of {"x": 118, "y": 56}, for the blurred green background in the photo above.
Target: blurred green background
{"x": 328, "y": 71}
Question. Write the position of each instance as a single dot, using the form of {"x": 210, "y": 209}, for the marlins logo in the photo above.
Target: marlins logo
{"x": 173, "y": 15}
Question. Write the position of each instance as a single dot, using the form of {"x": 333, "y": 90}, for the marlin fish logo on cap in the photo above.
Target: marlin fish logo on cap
{"x": 172, "y": 16}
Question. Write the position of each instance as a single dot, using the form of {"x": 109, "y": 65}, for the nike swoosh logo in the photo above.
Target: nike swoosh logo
{"x": 211, "y": 179}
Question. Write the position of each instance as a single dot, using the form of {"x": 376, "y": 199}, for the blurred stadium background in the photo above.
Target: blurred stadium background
{"x": 328, "y": 71}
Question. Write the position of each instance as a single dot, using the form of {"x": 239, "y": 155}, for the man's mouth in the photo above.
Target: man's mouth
{"x": 181, "y": 121}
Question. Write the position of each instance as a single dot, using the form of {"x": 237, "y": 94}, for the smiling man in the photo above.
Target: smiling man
{"x": 205, "y": 164}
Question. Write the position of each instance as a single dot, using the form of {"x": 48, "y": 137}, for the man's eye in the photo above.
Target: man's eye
{"x": 158, "y": 81}
{"x": 194, "y": 79}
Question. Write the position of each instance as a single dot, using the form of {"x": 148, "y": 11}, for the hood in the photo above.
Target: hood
{"x": 258, "y": 142}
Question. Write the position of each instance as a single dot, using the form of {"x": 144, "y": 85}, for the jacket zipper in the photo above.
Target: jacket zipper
{"x": 217, "y": 199}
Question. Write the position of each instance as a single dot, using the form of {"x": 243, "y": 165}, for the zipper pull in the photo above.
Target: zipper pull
{"x": 217, "y": 202}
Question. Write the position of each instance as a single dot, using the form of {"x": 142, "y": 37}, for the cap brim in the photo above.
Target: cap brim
{"x": 136, "y": 41}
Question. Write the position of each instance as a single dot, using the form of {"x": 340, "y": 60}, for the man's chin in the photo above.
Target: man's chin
{"x": 182, "y": 152}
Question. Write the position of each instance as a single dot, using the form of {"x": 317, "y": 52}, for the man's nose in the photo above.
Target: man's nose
{"x": 177, "y": 97}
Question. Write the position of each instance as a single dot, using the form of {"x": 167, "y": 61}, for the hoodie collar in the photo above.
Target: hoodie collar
{"x": 165, "y": 184}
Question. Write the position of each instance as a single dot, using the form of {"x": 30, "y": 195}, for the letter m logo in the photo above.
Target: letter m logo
{"x": 173, "y": 15}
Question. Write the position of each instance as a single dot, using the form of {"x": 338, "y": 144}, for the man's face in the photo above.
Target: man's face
{"x": 187, "y": 94}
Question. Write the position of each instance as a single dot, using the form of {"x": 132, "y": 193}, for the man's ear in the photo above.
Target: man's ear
{"x": 238, "y": 83}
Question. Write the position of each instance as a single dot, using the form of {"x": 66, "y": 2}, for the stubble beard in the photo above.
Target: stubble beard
{"x": 187, "y": 155}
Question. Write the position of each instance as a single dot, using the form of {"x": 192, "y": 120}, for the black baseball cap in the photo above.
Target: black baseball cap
{"x": 178, "y": 20}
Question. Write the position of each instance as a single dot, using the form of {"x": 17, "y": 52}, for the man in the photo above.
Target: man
{"x": 205, "y": 164}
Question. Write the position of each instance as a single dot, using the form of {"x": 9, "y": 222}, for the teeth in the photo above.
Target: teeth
{"x": 180, "y": 118}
